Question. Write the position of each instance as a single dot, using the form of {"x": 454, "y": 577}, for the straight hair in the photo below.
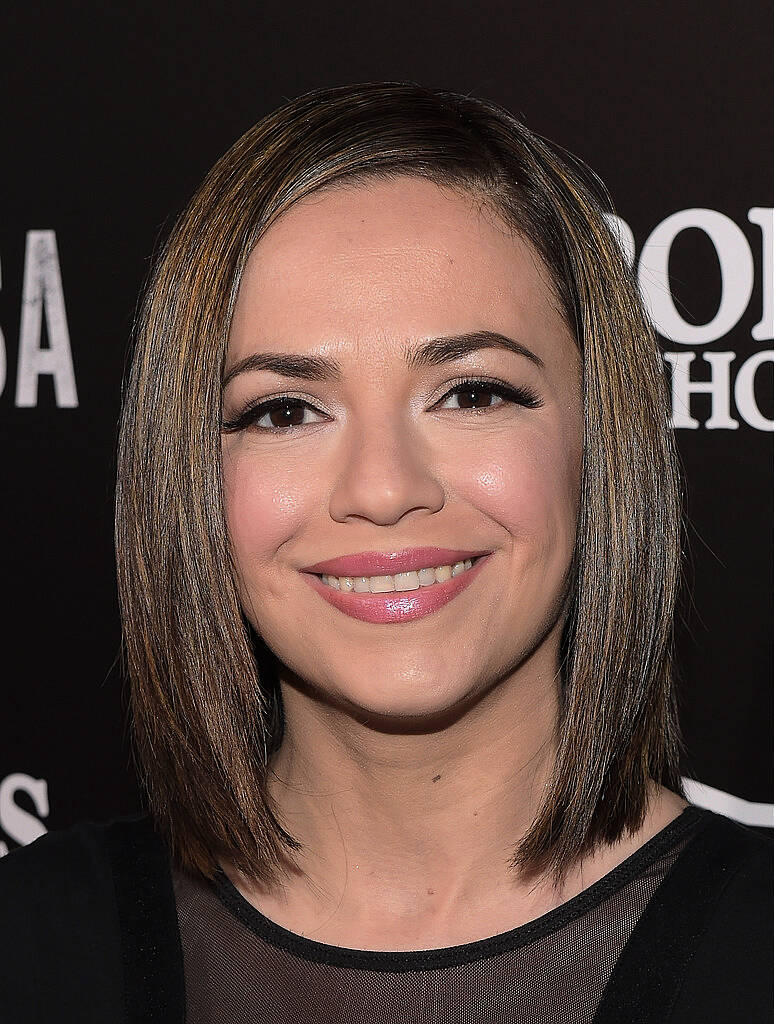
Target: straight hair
{"x": 205, "y": 708}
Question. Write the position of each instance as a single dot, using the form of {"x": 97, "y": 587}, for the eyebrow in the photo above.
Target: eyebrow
{"x": 430, "y": 353}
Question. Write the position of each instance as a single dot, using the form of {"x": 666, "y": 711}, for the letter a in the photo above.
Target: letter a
{"x": 43, "y": 288}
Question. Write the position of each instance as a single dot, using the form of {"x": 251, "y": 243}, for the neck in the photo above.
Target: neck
{"x": 424, "y": 823}
{"x": 407, "y": 835}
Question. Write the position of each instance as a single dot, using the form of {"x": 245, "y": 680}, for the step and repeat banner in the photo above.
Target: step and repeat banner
{"x": 111, "y": 117}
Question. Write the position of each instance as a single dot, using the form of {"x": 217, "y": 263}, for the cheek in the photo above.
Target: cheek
{"x": 532, "y": 492}
{"x": 264, "y": 507}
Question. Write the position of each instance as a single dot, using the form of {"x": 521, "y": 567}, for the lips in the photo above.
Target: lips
{"x": 397, "y": 606}
{"x": 388, "y": 563}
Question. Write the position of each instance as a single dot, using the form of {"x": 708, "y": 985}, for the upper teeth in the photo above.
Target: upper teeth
{"x": 400, "y": 581}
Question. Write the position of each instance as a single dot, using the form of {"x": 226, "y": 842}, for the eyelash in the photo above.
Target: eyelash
{"x": 524, "y": 396}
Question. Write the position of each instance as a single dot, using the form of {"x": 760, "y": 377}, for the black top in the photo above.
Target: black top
{"x": 97, "y": 925}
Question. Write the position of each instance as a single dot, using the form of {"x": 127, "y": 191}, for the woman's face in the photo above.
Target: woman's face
{"x": 384, "y": 458}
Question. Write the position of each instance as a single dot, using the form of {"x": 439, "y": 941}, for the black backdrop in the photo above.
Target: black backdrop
{"x": 110, "y": 118}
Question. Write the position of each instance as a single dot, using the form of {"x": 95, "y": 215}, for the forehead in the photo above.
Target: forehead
{"x": 390, "y": 261}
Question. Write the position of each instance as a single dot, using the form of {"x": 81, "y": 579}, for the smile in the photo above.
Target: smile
{"x": 400, "y": 598}
{"x": 401, "y": 581}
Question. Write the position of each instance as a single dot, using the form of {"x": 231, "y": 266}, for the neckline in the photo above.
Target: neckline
{"x": 451, "y": 956}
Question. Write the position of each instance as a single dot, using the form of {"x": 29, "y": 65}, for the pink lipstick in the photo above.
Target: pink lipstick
{"x": 396, "y": 606}
{"x": 388, "y": 563}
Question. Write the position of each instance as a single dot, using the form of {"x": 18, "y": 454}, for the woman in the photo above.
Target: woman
{"x": 398, "y": 536}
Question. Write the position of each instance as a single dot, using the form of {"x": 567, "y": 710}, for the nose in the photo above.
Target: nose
{"x": 385, "y": 471}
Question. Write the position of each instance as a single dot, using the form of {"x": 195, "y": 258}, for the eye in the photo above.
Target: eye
{"x": 286, "y": 413}
{"x": 479, "y": 389}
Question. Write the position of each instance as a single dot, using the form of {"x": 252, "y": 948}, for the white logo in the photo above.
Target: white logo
{"x": 18, "y": 824}
{"x": 737, "y": 272}
{"x": 42, "y": 293}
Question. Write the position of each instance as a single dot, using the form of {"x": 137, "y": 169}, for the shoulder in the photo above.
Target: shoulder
{"x": 730, "y": 973}
{"x": 62, "y": 917}
{"x": 63, "y": 868}
{"x": 740, "y": 862}
{"x": 722, "y": 880}
{"x": 702, "y": 949}
{"x": 733, "y": 867}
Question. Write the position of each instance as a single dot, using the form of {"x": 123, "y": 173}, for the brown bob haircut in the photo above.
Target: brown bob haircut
{"x": 206, "y": 710}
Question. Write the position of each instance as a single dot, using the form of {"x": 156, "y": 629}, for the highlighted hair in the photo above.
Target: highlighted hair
{"x": 206, "y": 712}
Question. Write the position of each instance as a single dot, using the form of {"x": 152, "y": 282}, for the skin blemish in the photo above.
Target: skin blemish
{"x": 436, "y": 778}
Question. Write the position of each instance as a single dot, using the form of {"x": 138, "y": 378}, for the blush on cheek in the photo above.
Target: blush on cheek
{"x": 263, "y": 512}
{"x": 533, "y": 498}
{"x": 519, "y": 492}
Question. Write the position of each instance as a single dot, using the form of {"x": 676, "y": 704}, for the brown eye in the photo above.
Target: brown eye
{"x": 481, "y": 397}
{"x": 282, "y": 414}
{"x": 286, "y": 413}
{"x": 475, "y": 394}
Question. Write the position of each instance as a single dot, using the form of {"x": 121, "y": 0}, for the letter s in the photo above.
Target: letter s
{"x": 17, "y": 823}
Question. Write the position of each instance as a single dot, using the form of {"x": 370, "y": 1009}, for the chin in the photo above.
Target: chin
{"x": 420, "y": 709}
